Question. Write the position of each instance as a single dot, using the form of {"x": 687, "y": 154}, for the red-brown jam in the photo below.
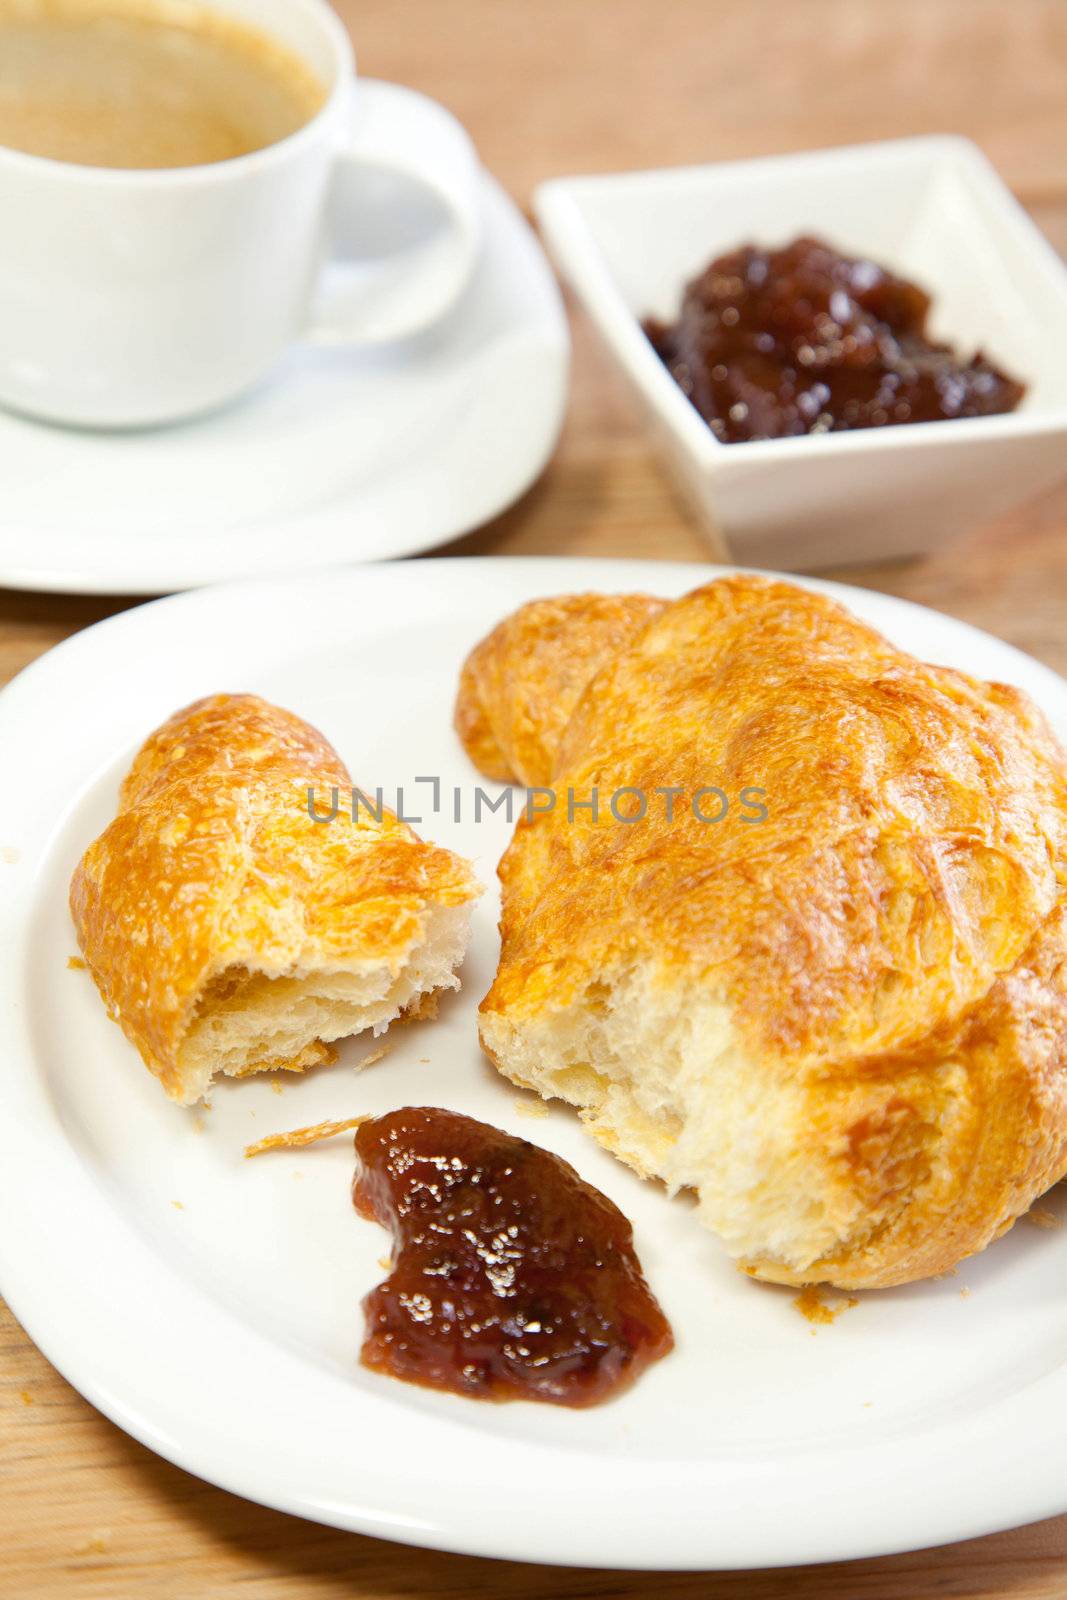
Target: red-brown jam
{"x": 513, "y": 1279}
{"x": 771, "y": 343}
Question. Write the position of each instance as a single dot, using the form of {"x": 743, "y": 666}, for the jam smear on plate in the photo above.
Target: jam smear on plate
{"x": 513, "y": 1278}
{"x": 802, "y": 340}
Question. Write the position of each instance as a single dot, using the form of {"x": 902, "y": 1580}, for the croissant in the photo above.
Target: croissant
{"x": 228, "y": 931}
{"x": 519, "y": 687}
{"x": 837, "y": 1012}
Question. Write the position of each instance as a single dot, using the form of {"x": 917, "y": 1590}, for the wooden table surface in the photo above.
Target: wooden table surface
{"x": 553, "y": 87}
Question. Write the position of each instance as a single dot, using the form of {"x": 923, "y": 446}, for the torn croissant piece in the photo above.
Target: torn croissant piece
{"x": 229, "y": 932}
{"x": 844, "y": 1028}
{"x": 520, "y": 686}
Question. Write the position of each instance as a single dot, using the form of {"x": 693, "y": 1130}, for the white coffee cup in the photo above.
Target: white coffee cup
{"x": 137, "y": 297}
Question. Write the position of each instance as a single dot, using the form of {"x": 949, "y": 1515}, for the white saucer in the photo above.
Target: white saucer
{"x": 210, "y": 1305}
{"x": 338, "y": 458}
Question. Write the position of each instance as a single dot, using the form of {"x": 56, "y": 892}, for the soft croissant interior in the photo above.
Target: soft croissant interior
{"x": 672, "y": 1091}
{"x": 668, "y": 1089}
{"x": 250, "y": 1021}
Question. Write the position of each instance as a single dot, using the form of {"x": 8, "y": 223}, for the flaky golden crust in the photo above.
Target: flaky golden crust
{"x": 520, "y": 685}
{"x": 213, "y": 868}
{"x": 892, "y": 937}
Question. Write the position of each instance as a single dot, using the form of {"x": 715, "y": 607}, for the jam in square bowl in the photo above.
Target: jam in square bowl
{"x": 929, "y": 211}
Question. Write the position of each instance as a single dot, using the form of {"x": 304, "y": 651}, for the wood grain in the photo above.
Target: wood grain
{"x": 562, "y": 86}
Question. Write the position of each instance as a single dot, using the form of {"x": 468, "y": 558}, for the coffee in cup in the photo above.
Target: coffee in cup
{"x": 115, "y": 83}
{"x": 209, "y": 158}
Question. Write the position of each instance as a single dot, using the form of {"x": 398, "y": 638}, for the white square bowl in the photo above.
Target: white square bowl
{"x": 932, "y": 209}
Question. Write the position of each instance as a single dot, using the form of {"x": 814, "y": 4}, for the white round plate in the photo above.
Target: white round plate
{"x": 210, "y": 1306}
{"x": 338, "y": 457}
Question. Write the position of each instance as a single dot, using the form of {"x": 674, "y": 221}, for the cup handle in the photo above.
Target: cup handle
{"x": 405, "y": 219}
